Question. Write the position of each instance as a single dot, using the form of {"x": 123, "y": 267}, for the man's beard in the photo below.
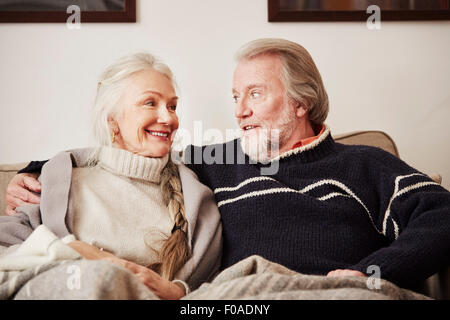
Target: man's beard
{"x": 265, "y": 144}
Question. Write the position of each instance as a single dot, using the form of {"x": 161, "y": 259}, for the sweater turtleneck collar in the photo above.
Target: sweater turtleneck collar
{"x": 319, "y": 148}
{"x": 128, "y": 164}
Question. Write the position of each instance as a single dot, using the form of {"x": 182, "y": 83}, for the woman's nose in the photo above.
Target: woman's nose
{"x": 164, "y": 116}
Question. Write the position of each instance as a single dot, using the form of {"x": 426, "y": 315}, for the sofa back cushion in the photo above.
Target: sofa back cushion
{"x": 6, "y": 173}
{"x": 369, "y": 138}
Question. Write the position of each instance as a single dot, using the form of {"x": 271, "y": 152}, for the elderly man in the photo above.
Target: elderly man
{"x": 328, "y": 208}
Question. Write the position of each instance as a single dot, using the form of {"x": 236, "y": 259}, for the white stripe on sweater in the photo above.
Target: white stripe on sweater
{"x": 256, "y": 194}
{"x": 398, "y": 193}
{"x": 289, "y": 190}
{"x": 332, "y": 195}
{"x": 240, "y": 185}
{"x": 347, "y": 190}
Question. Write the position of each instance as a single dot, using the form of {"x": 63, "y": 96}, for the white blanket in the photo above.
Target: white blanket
{"x": 41, "y": 247}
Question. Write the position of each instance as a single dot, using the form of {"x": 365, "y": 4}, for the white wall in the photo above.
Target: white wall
{"x": 396, "y": 79}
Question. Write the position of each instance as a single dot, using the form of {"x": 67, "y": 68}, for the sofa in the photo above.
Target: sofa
{"x": 437, "y": 286}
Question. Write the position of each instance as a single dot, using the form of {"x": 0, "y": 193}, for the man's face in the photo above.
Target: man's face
{"x": 265, "y": 114}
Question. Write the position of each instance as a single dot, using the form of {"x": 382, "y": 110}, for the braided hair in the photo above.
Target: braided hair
{"x": 175, "y": 250}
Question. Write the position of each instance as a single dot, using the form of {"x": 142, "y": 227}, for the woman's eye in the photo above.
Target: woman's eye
{"x": 235, "y": 98}
{"x": 173, "y": 108}
{"x": 255, "y": 94}
{"x": 150, "y": 103}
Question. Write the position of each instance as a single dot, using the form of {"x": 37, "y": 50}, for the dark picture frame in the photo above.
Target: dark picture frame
{"x": 276, "y": 14}
{"x": 127, "y": 15}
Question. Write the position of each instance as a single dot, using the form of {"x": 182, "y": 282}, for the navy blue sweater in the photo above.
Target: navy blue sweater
{"x": 330, "y": 206}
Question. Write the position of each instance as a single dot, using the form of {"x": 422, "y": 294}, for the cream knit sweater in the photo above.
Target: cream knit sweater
{"x": 117, "y": 205}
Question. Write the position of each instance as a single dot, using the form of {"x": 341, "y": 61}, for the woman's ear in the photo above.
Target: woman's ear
{"x": 114, "y": 131}
{"x": 113, "y": 125}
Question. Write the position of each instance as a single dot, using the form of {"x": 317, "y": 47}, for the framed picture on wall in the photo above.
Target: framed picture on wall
{"x": 60, "y": 10}
{"x": 356, "y": 10}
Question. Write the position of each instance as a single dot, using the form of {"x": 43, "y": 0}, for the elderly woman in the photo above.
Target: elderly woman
{"x": 123, "y": 201}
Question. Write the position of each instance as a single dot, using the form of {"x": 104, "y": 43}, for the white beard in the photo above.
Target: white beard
{"x": 257, "y": 146}
{"x": 265, "y": 144}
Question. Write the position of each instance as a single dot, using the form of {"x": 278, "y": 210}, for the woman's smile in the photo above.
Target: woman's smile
{"x": 160, "y": 135}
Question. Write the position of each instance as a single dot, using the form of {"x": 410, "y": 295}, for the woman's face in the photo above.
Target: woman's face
{"x": 146, "y": 121}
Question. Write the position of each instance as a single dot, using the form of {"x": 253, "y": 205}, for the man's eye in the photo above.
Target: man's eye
{"x": 255, "y": 94}
{"x": 150, "y": 103}
{"x": 173, "y": 108}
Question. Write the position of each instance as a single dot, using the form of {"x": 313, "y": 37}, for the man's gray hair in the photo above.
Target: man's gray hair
{"x": 299, "y": 73}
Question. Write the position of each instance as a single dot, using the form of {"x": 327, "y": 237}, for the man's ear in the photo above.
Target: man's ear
{"x": 302, "y": 109}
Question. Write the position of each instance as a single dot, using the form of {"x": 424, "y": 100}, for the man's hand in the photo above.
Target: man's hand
{"x": 345, "y": 273}
{"x": 18, "y": 192}
{"x": 163, "y": 288}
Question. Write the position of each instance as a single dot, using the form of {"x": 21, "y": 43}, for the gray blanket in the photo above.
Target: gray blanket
{"x": 259, "y": 279}
{"x": 74, "y": 280}
{"x": 252, "y": 278}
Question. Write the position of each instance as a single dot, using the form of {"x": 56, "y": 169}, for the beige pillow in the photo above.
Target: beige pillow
{"x": 7, "y": 171}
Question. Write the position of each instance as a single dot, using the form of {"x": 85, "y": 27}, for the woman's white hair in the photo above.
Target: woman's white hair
{"x": 111, "y": 86}
{"x": 299, "y": 74}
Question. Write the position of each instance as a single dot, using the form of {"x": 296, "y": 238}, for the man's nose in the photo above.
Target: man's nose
{"x": 242, "y": 109}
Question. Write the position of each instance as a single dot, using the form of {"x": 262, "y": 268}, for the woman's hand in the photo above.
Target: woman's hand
{"x": 89, "y": 251}
{"x": 163, "y": 288}
{"x": 345, "y": 273}
{"x": 18, "y": 191}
